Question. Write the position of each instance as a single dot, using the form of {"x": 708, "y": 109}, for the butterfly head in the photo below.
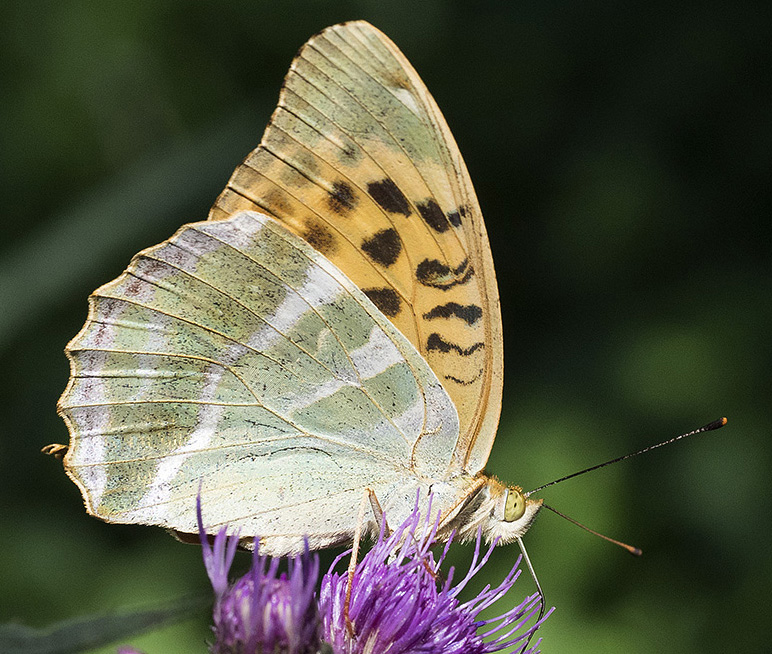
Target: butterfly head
{"x": 502, "y": 512}
{"x": 512, "y": 512}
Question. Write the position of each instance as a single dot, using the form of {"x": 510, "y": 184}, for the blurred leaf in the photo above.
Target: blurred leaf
{"x": 82, "y": 634}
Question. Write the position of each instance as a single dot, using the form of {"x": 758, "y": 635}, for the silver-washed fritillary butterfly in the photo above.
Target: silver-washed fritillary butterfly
{"x": 333, "y": 328}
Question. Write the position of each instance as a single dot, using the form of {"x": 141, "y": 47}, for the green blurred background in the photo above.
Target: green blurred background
{"x": 621, "y": 154}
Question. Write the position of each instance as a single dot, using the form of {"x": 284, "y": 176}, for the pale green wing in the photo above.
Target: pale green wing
{"x": 237, "y": 358}
{"x": 359, "y": 161}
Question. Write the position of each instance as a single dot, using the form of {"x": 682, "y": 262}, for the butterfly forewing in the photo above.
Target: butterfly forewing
{"x": 235, "y": 357}
{"x": 358, "y": 161}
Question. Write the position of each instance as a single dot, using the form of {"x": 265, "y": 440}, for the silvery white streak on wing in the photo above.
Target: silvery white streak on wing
{"x": 93, "y": 450}
{"x": 156, "y": 340}
{"x": 265, "y": 337}
{"x": 375, "y": 356}
{"x": 289, "y": 312}
{"x": 411, "y": 420}
{"x": 238, "y": 231}
{"x": 408, "y": 98}
{"x": 440, "y": 414}
{"x": 153, "y": 503}
{"x": 341, "y": 367}
{"x": 159, "y": 492}
{"x": 186, "y": 248}
{"x": 317, "y": 290}
{"x": 321, "y": 287}
{"x": 241, "y": 233}
{"x": 92, "y": 420}
{"x": 292, "y": 308}
{"x": 433, "y": 453}
{"x": 328, "y": 388}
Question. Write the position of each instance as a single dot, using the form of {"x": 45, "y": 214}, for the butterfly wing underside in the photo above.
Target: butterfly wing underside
{"x": 235, "y": 360}
{"x": 358, "y": 161}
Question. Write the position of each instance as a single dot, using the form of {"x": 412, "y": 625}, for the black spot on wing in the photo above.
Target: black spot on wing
{"x": 432, "y": 214}
{"x": 469, "y": 313}
{"x": 388, "y": 196}
{"x": 350, "y": 155}
{"x": 341, "y": 198}
{"x": 319, "y": 236}
{"x": 436, "y": 342}
{"x": 306, "y": 163}
{"x": 455, "y": 216}
{"x": 466, "y": 382}
{"x": 383, "y": 247}
{"x": 276, "y": 203}
{"x": 434, "y": 273}
{"x": 386, "y": 299}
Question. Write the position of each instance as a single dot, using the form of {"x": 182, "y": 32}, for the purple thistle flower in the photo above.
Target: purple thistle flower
{"x": 263, "y": 612}
{"x": 398, "y": 603}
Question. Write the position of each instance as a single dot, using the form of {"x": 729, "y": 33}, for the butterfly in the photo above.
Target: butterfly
{"x": 333, "y": 329}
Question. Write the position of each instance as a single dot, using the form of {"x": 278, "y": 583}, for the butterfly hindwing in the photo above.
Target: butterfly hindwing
{"x": 236, "y": 357}
{"x": 358, "y": 161}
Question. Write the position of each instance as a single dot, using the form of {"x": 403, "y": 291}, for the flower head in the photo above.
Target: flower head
{"x": 399, "y": 604}
{"x": 264, "y": 612}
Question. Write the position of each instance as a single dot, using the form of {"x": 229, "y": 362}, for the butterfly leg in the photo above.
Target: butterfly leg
{"x": 538, "y": 590}
{"x": 375, "y": 506}
{"x": 378, "y": 513}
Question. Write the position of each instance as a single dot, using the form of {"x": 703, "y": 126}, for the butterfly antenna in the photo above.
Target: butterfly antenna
{"x": 716, "y": 424}
{"x": 527, "y": 560}
{"x": 636, "y": 551}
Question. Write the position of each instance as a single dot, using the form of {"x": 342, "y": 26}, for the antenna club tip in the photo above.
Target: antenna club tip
{"x": 716, "y": 424}
{"x": 636, "y": 551}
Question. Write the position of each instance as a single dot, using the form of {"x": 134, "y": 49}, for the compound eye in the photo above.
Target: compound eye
{"x": 514, "y": 509}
